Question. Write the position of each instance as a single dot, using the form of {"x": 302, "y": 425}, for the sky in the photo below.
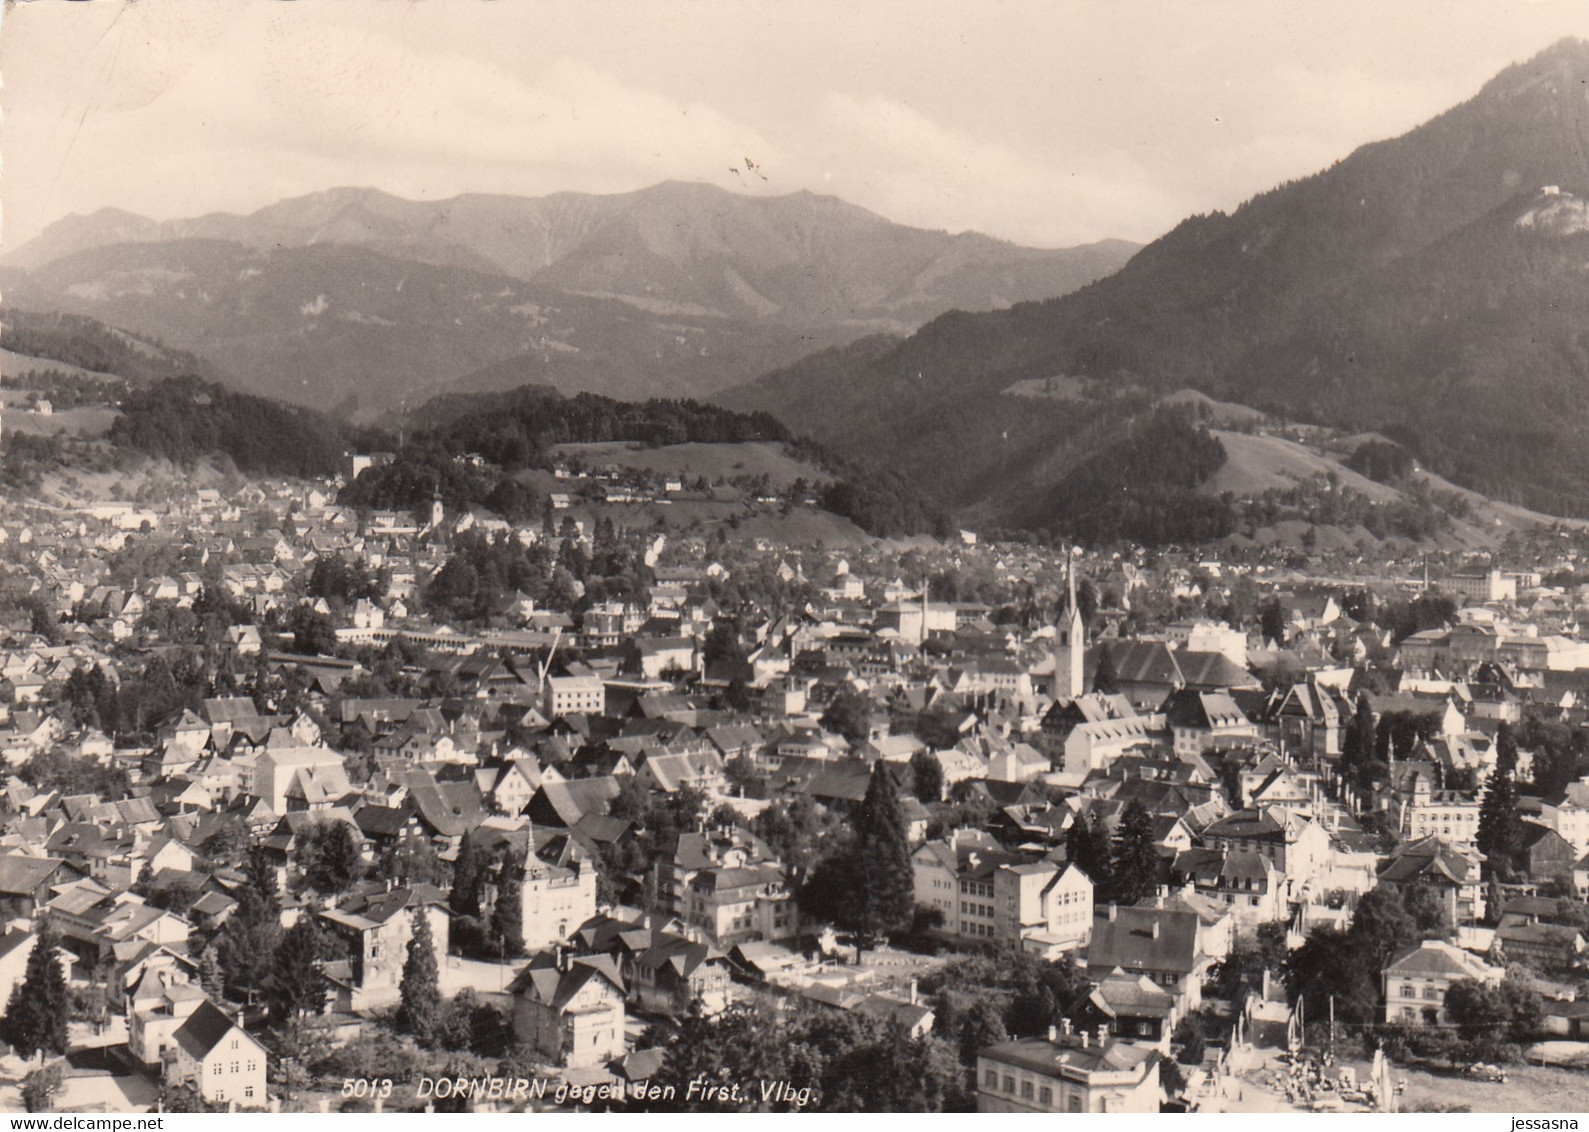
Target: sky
{"x": 1050, "y": 123}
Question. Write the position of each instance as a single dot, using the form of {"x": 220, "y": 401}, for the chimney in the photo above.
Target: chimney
{"x": 913, "y": 990}
{"x": 1053, "y": 1035}
{"x": 1084, "y": 1039}
{"x": 1113, "y": 912}
{"x": 1103, "y": 1036}
{"x": 1064, "y": 1026}
{"x": 1155, "y": 929}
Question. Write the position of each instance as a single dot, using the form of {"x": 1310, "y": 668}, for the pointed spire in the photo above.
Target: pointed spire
{"x": 1070, "y": 576}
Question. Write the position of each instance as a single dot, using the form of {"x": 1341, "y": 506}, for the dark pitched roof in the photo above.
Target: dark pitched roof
{"x": 1128, "y": 940}
{"x": 203, "y": 1030}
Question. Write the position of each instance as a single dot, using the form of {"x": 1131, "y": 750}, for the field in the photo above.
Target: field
{"x": 1528, "y": 1088}
{"x": 1257, "y": 463}
{"x": 89, "y": 420}
{"x": 714, "y": 461}
{"x": 802, "y": 526}
{"x": 12, "y": 363}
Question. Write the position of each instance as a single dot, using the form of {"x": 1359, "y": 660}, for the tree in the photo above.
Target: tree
{"x": 248, "y": 944}
{"x": 40, "y": 1087}
{"x": 329, "y": 856}
{"x": 420, "y": 988}
{"x": 1500, "y": 835}
{"x": 927, "y": 776}
{"x": 1330, "y": 965}
{"x": 849, "y": 714}
{"x": 466, "y": 874}
{"x": 1088, "y": 847}
{"x": 507, "y": 918}
{"x": 1134, "y": 870}
{"x": 312, "y": 632}
{"x": 1429, "y": 912}
{"x": 1505, "y": 750}
{"x": 983, "y": 1027}
{"x": 412, "y": 860}
{"x": 1106, "y": 677}
{"x": 867, "y": 886}
{"x": 210, "y": 976}
{"x": 1357, "y": 745}
{"x": 296, "y": 986}
{"x": 35, "y": 1020}
{"x": 1189, "y": 1033}
{"x": 1381, "y": 925}
{"x": 1272, "y": 622}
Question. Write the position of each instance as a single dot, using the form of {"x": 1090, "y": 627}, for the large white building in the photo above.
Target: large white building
{"x": 1416, "y": 981}
{"x": 566, "y": 695}
{"x": 1082, "y": 1072}
{"x": 988, "y": 895}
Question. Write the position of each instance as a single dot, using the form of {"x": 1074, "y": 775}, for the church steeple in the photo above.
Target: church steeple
{"x": 1070, "y": 642}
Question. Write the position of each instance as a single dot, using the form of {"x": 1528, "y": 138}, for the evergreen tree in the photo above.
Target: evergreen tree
{"x": 885, "y": 892}
{"x": 296, "y": 986}
{"x": 1505, "y": 750}
{"x": 466, "y": 876}
{"x": 248, "y": 944}
{"x": 329, "y": 857}
{"x": 210, "y": 977}
{"x": 1357, "y": 745}
{"x": 1088, "y": 847}
{"x": 1135, "y": 866}
{"x": 420, "y": 988}
{"x": 1106, "y": 678}
{"x": 261, "y": 873}
{"x": 867, "y": 885}
{"x": 1272, "y": 622}
{"x": 1500, "y": 836}
{"x": 927, "y": 776}
{"x": 35, "y": 1020}
{"x": 507, "y": 918}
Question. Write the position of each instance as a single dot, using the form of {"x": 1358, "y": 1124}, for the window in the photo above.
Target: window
{"x": 234, "y": 1043}
{"x": 248, "y": 1091}
{"x": 1026, "y": 1090}
{"x": 1074, "y": 1103}
{"x": 1045, "y": 1096}
{"x": 990, "y": 1079}
{"x": 216, "y": 1072}
{"x": 1009, "y": 1085}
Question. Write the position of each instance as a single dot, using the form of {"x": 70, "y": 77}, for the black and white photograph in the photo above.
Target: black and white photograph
{"x": 741, "y": 556}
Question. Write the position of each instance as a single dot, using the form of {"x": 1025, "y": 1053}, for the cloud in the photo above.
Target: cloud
{"x": 362, "y": 108}
{"x": 884, "y": 154}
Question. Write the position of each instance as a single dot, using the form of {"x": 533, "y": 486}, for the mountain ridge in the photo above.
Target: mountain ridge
{"x": 1275, "y": 305}
{"x": 674, "y": 290}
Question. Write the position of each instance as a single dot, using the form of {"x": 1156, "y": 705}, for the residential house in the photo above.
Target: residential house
{"x": 570, "y": 1010}
{"x": 1416, "y": 980}
{"x": 219, "y": 1058}
{"x": 376, "y": 928}
{"x": 1078, "y": 1072}
{"x": 1161, "y": 943}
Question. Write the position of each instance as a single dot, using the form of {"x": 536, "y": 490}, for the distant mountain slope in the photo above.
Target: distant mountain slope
{"x": 84, "y": 344}
{"x": 676, "y": 289}
{"x": 673, "y": 247}
{"x": 330, "y": 325}
{"x": 1430, "y": 287}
